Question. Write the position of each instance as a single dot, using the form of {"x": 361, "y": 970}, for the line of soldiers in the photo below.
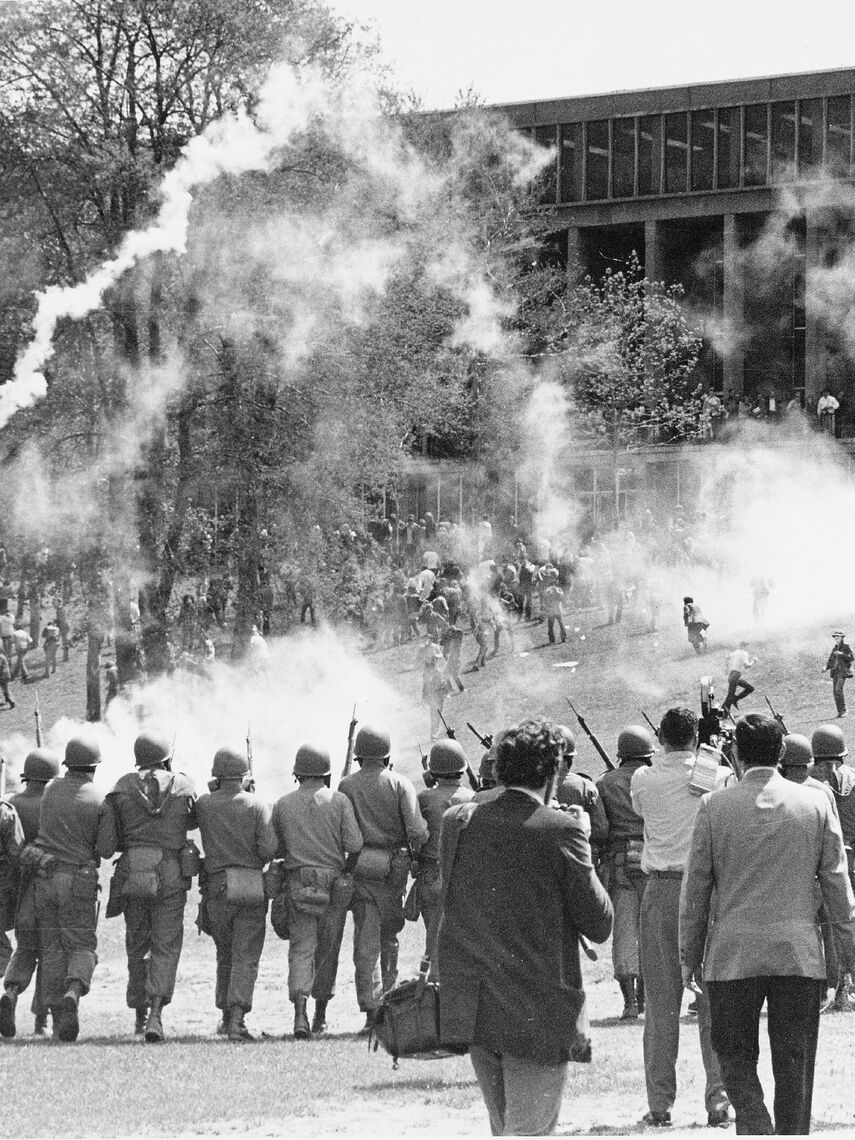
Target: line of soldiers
{"x": 325, "y": 853}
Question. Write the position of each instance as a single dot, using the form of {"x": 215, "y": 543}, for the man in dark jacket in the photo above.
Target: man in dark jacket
{"x": 519, "y": 890}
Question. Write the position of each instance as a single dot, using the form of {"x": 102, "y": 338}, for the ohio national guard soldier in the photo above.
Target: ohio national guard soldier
{"x": 11, "y": 844}
{"x": 626, "y": 880}
{"x": 65, "y": 859}
{"x": 576, "y": 790}
{"x": 238, "y": 838}
{"x": 40, "y": 767}
{"x": 392, "y": 826}
{"x": 446, "y": 763}
{"x": 146, "y": 817}
{"x": 319, "y": 842}
{"x": 829, "y": 752}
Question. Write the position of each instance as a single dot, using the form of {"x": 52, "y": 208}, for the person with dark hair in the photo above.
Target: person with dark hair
{"x": 696, "y": 624}
{"x": 661, "y": 795}
{"x": 839, "y": 665}
{"x": 520, "y": 889}
{"x": 763, "y": 844}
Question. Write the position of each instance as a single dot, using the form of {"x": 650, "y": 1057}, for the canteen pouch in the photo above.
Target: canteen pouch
{"x": 309, "y": 890}
{"x": 399, "y": 869}
{"x": 373, "y": 863}
{"x": 274, "y": 879}
{"x": 190, "y": 861}
{"x": 341, "y": 891}
{"x": 245, "y": 886}
{"x": 142, "y": 872}
{"x": 84, "y": 884}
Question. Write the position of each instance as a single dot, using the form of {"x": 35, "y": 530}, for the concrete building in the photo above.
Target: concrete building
{"x": 723, "y": 187}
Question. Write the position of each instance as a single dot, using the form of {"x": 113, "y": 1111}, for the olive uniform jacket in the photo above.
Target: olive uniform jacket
{"x": 519, "y": 890}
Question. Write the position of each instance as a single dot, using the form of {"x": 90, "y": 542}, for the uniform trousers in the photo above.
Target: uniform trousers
{"x": 663, "y": 982}
{"x": 154, "y": 934}
{"x": 430, "y": 888}
{"x": 5, "y": 952}
{"x": 314, "y": 944}
{"x": 523, "y": 1098}
{"x": 238, "y": 933}
{"x": 626, "y": 892}
{"x": 26, "y": 960}
{"x": 67, "y": 915}
{"x": 378, "y": 918}
{"x": 793, "y": 1025}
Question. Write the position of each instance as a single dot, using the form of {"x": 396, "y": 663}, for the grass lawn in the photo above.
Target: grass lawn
{"x": 112, "y": 1084}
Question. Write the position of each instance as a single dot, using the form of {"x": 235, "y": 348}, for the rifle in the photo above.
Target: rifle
{"x": 427, "y": 775}
{"x": 251, "y": 780}
{"x": 650, "y": 722}
{"x": 486, "y": 741}
{"x": 348, "y": 756}
{"x": 38, "y": 715}
{"x": 583, "y": 724}
{"x": 777, "y": 716}
{"x": 452, "y": 735}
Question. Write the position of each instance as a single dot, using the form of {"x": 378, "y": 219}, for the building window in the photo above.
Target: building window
{"x": 570, "y": 162}
{"x": 838, "y": 136}
{"x": 623, "y": 161}
{"x": 548, "y": 177}
{"x": 756, "y": 140}
{"x": 649, "y": 150}
{"x": 810, "y": 137}
{"x": 597, "y": 160}
{"x": 676, "y": 154}
{"x": 728, "y": 148}
{"x": 703, "y": 149}
{"x": 783, "y": 142}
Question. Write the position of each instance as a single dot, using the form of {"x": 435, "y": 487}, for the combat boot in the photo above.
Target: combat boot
{"x": 639, "y": 994}
{"x": 237, "y": 1027}
{"x": 301, "y": 1021}
{"x": 630, "y": 1004}
{"x": 7, "y": 1012}
{"x": 153, "y": 1025}
{"x": 69, "y": 1020}
{"x": 370, "y": 1022}
{"x": 40, "y": 1025}
{"x": 319, "y": 1021}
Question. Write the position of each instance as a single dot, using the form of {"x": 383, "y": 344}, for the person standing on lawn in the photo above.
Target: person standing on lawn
{"x": 239, "y": 840}
{"x": 65, "y": 862}
{"x": 839, "y": 665}
{"x": 661, "y": 795}
{"x": 520, "y": 889}
{"x": 146, "y": 817}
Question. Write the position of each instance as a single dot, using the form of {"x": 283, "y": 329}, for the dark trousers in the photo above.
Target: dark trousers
{"x": 550, "y": 627}
{"x": 154, "y": 933}
{"x": 793, "y": 1012}
{"x": 838, "y": 681}
{"x": 736, "y": 689}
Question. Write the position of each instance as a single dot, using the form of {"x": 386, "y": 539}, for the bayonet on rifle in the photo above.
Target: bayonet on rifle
{"x": 348, "y": 756}
{"x": 38, "y": 715}
{"x": 583, "y": 724}
{"x": 452, "y": 735}
{"x": 650, "y": 722}
{"x": 486, "y": 741}
{"x": 777, "y": 716}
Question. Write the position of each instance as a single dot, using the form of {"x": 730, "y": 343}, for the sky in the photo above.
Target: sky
{"x": 516, "y": 50}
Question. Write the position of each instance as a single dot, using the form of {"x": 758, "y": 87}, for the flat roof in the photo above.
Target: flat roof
{"x": 681, "y": 97}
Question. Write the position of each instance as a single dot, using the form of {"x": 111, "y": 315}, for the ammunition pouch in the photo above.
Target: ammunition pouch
{"x": 341, "y": 891}
{"x": 245, "y": 886}
{"x": 399, "y": 870}
{"x": 309, "y": 888}
{"x": 140, "y": 868}
{"x": 36, "y": 860}
{"x": 189, "y": 859}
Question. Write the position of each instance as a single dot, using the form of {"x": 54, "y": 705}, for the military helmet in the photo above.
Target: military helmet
{"x": 41, "y": 765}
{"x": 312, "y": 761}
{"x": 81, "y": 753}
{"x": 150, "y": 749}
{"x": 229, "y": 764}
{"x": 635, "y": 743}
{"x": 797, "y": 751}
{"x": 447, "y": 758}
{"x": 372, "y": 744}
{"x": 568, "y": 740}
{"x": 828, "y": 743}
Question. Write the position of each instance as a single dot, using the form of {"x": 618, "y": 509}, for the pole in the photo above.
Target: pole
{"x": 460, "y": 499}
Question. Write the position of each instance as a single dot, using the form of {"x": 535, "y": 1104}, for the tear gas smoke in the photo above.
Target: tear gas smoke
{"x": 544, "y": 473}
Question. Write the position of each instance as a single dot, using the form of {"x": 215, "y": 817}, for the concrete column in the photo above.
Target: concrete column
{"x": 734, "y": 311}
{"x": 653, "y": 270}
{"x": 814, "y": 343}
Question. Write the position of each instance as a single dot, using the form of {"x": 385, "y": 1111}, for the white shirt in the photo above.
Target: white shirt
{"x": 827, "y": 404}
{"x": 739, "y": 660}
{"x": 660, "y": 794}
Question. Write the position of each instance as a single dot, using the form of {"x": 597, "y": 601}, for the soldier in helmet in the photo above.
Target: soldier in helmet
{"x": 65, "y": 860}
{"x": 319, "y": 841}
{"x": 146, "y": 817}
{"x": 829, "y": 753}
{"x": 392, "y": 827}
{"x": 795, "y": 762}
{"x": 239, "y": 839}
{"x": 446, "y": 764}
{"x": 40, "y": 767}
{"x": 626, "y": 880}
{"x": 575, "y": 789}
{"x": 11, "y": 844}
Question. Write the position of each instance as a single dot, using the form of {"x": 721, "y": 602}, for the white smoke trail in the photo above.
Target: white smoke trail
{"x": 230, "y": 145}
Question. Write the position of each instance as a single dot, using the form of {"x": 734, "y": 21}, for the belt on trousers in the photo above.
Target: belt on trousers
{"x": 672, "y": 874}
